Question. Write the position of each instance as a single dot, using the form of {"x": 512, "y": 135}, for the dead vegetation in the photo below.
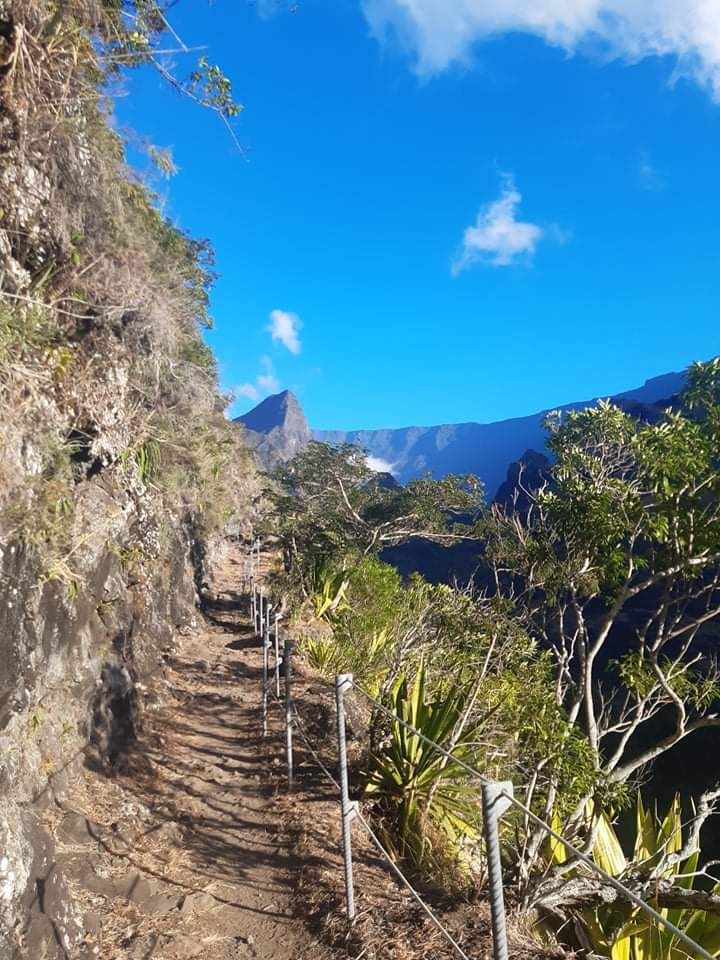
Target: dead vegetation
{"x": 102, "y": 300}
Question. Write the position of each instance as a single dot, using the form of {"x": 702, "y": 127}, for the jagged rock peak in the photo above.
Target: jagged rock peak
{"x": 525, "y": 476}
{"x": 279, "y": 410}
{"x": 276, "y": 429}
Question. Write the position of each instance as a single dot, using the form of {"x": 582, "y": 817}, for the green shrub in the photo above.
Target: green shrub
{"x": 622, "y": 931}
{"x": 427, "y": 804}
{"x": 374, "y": 598}
{"x": 197, "y": 352}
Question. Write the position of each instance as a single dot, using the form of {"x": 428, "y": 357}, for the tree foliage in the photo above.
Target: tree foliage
{"x": 615, "y": 569}
{"x": 583, "y": 664}
{"x": 332, "y": 507}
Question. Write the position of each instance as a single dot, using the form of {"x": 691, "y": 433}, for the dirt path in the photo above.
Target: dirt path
{"x": 198, "y": 851}
{"x": 185, "y": 855}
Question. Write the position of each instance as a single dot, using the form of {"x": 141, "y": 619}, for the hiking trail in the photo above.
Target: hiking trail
{"x": 183, "y": 855}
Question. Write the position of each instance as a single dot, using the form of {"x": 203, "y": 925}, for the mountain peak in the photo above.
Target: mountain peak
{"x": 276, "y": 428}
{"x": 279, "y": 410}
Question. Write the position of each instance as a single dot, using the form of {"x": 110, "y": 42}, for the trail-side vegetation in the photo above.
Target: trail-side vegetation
{"x": 104, "y": 373}
{"x": 592, "y": 653}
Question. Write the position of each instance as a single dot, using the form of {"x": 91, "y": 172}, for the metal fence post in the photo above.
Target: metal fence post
{"x": 265, "y": 690}
{"x": 495, "y": 801}
{"x": 266, "y": 657}
{"x": 287, "y": 665}
{"x": 277, "y": 655}
{"x": 343, "y": 682}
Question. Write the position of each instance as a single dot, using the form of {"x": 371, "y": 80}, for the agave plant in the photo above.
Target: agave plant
{"x": 624, "y": 932}
{"x": 420, "y": 793}
{"x": 373, "y": 659}
{"x": 321, "y": 653}
{"x": 330, "y": 594}
{"x": 367, "y": 659}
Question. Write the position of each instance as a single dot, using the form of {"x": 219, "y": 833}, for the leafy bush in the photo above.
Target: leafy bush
{"x": 197, "y": 352}
{"x": 374, "y": 598}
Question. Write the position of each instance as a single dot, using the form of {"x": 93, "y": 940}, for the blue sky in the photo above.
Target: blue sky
{"x": 445, "y": 217}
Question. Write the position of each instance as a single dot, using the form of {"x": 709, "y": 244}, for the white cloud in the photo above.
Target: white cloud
{"x": 497, "y": 237}
{"x": 267, "y": 9}
{"x": 441, "y": 32}
{"x": 379, "y": 465}
{"x": 284, "y": 328}
{"x": 561, "y": 235}
{"x": 267, "y": 381}
{"x": 245, "y": 390}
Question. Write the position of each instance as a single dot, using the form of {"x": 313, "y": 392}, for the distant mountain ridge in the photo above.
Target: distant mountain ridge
{"x": 485, "y": 449}
{"x": 277, "y": 430}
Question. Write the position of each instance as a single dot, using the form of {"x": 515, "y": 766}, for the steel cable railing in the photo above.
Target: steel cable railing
{"x": 378, "y": 843}
{"x": 538, "y": 821}
{"x": 271, "y": 694}
{"x": 497, "y": 797}
{"x": 301, "y": 730}
{"x": 416, "y": 896}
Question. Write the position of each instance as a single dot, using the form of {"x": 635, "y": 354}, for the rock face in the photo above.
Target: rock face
{"x": 70, "y": 694}
{"x": 114, "y": 452}
{"x": 276, "y": 429}
{"x": 484, "y": 449}
{"x": 524, "y": 477}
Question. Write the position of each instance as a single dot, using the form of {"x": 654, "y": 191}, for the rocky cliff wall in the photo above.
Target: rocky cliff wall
{"x": 118, "y": 471}
{"x": 75, "y": 671}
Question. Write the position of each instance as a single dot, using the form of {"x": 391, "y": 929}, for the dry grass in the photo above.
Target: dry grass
{"x": 102, "y": 300}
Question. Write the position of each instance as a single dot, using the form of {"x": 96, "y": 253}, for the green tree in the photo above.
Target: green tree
{"x": 332, "y": 507}
{"x": 621, "y": 550}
